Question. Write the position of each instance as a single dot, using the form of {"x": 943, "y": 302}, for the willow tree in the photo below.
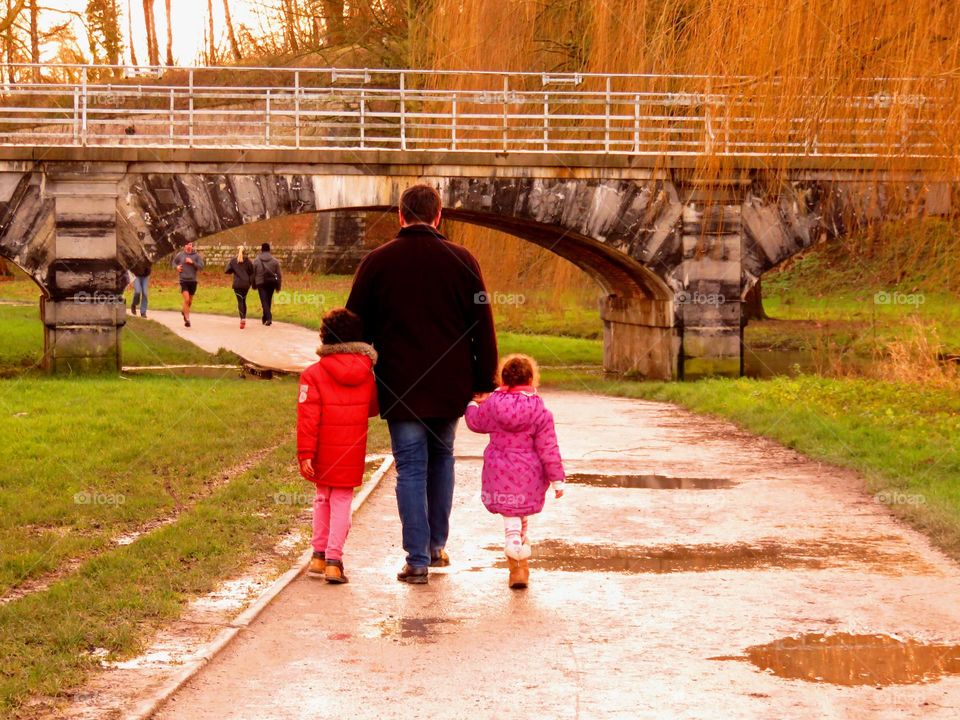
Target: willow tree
{"x": 150, "y": 25}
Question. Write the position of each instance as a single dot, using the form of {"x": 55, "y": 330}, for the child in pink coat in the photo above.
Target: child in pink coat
{"x": 522, "y": 459}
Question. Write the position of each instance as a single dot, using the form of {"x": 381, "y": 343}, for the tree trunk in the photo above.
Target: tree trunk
{"x": 231, "y": 35}
{"x": 169, "y": 33}
{"x": 753, "y": 304}
{"x": 34, "y": 40}
{"x": 149, "y": 21}
{"x": 290, "y": 25}
{"x": 211, "y": 40}
{"x": 333, "y": 19}
{"x": 133, "y": 50}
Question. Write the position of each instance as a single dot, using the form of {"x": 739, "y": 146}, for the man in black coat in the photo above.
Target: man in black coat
{"x": 425, "y": 309}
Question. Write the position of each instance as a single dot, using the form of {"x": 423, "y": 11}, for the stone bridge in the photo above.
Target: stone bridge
{"x": 674, "y": 257}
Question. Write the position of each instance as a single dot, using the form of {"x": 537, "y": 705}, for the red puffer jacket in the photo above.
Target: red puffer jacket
{"x": 337, "y": 396}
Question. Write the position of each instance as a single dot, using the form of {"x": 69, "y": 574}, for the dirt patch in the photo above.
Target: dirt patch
{"x": 573, "y": 557}
{"x": 845, "y": 659}
{"x": 650, "y": 482}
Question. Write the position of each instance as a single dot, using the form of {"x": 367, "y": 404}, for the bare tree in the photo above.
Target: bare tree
{"x": 231, "y": 35}
{"x": 211, "y": 40}
{"x": 133, "y": 50}
{"x": 149, "y": 21}
{"x": 290, "y": 25}
{"x": 13, "y": 12}
{"x": 169, "y": 32}
{"x": 333, "y": 19}
{"x": 35, "y": 39}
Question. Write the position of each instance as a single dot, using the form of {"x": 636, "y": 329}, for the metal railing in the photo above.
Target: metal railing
{"x": 366, "y": 109}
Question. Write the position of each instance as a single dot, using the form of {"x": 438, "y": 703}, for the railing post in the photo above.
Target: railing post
{"x": 266, "y": 128}
{"x": 190, "y": 109}
{"x": 546, "y": 122}
{"x": 636, "y": 124}
{"x": 506, "y": 109}
{"x": 76, "y": 114}
{"x": 606, "y": 118}
{"x": 172, "y": 111}
{"x": 363, "y": 118}
{"x": 296, "y": 108}
{"x": 453, "y": 124}
{"x": 83, "y": 110}
{"x": 403, "y": 111}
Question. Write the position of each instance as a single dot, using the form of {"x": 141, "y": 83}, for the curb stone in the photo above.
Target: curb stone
{"x": 150, "y": 705}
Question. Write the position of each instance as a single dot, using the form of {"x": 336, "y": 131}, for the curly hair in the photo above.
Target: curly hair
{"x": 341, "y": 326}
{"x": 517, "y": 369}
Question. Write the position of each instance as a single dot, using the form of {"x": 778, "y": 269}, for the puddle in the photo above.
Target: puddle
{"x": 570, "y": 557}
{"x": 650, "y": 482}
{"x": 845, "y": 659}
{"x": 418, "y": 629}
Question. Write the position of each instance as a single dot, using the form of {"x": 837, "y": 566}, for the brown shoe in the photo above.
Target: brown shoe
{"x": 519, "y": 573}
{"x": 318, "y": 565}
{"x": 413, "y": 575}
{"x": 335, "y": 572}
{"x": 439, "y": 558}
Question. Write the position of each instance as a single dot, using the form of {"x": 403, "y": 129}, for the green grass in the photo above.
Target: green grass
{"x": 142, "y": 343}
{"x": 86, "y": 460}
{"x": 905, "y": 439}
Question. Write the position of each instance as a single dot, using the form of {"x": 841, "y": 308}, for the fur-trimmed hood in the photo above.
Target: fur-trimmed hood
{"x": 350, "y": 348}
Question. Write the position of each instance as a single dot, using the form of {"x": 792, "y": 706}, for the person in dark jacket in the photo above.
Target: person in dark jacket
{"x": 424, "y": 308}
{"x": 267, "y": 280}
{"x": 242, "y": 270}
{"x": 141, "y": 278}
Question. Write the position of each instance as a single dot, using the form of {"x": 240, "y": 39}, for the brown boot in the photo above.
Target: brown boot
{"x": 335, "y": 574}
{"x": 519, "y": 573}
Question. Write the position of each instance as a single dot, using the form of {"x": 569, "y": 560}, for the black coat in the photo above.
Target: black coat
{"x": 242, "y": 273}
{"x": 425, "y": 310}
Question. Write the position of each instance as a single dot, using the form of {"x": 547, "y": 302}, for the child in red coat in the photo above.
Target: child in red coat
{"x": 337, "y": 396}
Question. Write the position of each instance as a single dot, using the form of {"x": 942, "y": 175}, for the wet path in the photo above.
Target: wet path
{"x": 694, "y": 600}
{"x": 283, "y": 346}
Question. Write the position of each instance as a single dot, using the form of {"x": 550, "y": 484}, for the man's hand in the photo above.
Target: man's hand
{"x": 306, "y": 468}
{"x": 188, "y": 261}
{"x": 180, "y": 268}
{"x": 480, "y": 397}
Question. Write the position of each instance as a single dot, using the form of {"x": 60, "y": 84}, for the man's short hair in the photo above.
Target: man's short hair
{"x": 265, "y": 247}
{"x": 420, "y": 204}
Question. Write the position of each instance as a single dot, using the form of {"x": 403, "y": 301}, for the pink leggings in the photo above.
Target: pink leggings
{"x": 331, "y": 520}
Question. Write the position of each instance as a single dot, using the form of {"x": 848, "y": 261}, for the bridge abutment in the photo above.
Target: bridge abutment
{"x": 84, "y": 311}
{"x": 639, "y": 337}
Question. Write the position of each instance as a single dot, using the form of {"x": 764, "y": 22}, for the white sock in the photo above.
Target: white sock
{"x": 513, "y": 542}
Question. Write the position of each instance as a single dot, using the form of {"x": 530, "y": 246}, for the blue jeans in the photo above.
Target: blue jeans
{"x": 423, "y": 450}
{"x": 140, "y": 293}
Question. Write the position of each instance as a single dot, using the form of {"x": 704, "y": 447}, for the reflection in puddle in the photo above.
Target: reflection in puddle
{"x": 844, "y": 659}
{"x": 650, "y": 482}
{"x": 418, "y": 629}
{"x": 580, "y": 557}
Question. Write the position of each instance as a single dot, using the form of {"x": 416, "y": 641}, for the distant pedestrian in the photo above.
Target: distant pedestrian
{"x": 188, "y": 263}
{"x": 337, "y": 396}
{"x": 242, "y": 270}
{"x": 267, "y": 280}
{"x": 522, "y": 459}
{"x": 424, "y": 308}
{"x": 140, "y": 280}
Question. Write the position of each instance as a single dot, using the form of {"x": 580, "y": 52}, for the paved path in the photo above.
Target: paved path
{"x": 282, "y": 345}
{"x": 642, "y": 601}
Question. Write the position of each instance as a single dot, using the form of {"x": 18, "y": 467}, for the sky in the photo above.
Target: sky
{"x": 189, "y": 19}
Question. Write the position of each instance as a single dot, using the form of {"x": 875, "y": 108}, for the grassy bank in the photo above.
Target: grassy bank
{"x": 87, "y": 462}
{"x": 904, "y": 438}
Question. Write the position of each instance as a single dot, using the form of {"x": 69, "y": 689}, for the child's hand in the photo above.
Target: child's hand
{"x": 480, "y": 397}
{"x": 306, "y": 468}
{"x": 557, "y": 489}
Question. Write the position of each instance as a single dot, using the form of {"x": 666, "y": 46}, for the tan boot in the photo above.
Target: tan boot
{"x": 318, "y": 566}
{"x": 519, "y": 574}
